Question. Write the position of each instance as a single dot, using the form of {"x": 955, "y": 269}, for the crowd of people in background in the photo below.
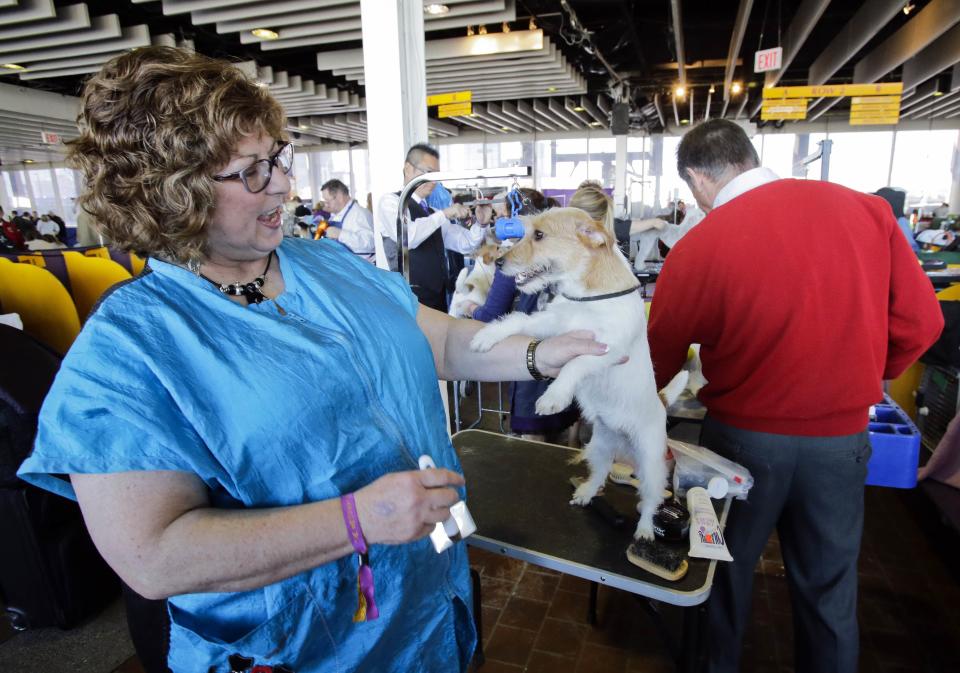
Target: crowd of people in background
{"x": 26, "y": 230}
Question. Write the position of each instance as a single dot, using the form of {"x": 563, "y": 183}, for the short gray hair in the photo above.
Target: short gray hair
{"x": 713, "y": 147}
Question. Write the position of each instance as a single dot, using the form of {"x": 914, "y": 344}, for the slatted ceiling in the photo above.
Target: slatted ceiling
{"x": 540, "y": 71}
{"x": 352, "y": 127}
{"x": 131, "y": 37}
{"x": 929, "y": 105}
{"x": 20, "y": 11}
{"x": 71, "y": 17}
{"x": 302, "y": 23}
{"x": 101, "y": 28}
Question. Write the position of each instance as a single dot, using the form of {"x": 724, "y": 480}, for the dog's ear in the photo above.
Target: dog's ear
{"x": 489, "y": 253}
{"x": 593, "y": 235}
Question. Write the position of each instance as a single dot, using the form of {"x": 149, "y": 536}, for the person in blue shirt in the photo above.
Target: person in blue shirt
{"x": 897, "y": 198}
{"x": 241, "y": 423}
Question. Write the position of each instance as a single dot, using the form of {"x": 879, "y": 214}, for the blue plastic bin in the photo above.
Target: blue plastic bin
{"x": 896, "y": 447}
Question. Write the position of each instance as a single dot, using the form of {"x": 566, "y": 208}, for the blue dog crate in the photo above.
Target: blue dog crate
{"x": 896, "y": 447}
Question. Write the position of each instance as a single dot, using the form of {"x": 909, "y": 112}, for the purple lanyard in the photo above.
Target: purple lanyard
{"x": 366, "y": 606}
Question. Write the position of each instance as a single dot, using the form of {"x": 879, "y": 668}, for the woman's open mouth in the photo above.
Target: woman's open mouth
{"x": 271, "y": 218}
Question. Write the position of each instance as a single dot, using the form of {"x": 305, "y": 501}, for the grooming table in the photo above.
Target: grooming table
{"x": 518, "y": 492}
{"x": 687, "y": 408}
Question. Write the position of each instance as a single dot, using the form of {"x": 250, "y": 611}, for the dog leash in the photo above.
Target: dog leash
{"x": 598, "y": 297}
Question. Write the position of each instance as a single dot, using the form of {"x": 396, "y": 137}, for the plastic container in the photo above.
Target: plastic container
{"x": 697, "y": 466}
{"x": 896, "y": 447}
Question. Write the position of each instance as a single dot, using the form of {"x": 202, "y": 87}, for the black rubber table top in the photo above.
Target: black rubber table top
{"x": 519, "y": 491}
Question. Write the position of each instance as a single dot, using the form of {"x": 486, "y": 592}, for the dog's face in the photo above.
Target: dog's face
{"x": 558, "y": 247}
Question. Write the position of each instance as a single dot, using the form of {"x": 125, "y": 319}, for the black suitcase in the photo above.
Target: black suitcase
{"x": 51, "y": 573}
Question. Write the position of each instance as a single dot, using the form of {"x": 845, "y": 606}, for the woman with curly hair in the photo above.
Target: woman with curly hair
{"x": 241, "y": 423}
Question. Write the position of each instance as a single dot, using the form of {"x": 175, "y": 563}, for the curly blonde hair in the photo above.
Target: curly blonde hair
{"x": 591, "y": 199}
{"x": 155, "y": 124}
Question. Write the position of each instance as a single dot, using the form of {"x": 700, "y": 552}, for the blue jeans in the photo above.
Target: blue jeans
{"x": 811, "y": 490}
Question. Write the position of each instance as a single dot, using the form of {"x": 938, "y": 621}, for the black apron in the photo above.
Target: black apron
{"x": 429, "y": 278}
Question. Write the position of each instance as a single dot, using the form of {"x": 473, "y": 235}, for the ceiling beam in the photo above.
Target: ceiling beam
{"x": 913, "y": 37}
{"x": 678, "y": 40}
{"x": 736, "y": 40}
{"x": 802, "y": 24}
{"x": 941, "y": 54}
{"x": 860, "y": 29}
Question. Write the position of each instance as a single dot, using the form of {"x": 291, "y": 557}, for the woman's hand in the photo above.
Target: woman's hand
{"x": 553, "y": 353}
{"x": 405, "y": 506}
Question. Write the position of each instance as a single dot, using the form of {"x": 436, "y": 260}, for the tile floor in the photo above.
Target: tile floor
{"x": 535, "y": 620}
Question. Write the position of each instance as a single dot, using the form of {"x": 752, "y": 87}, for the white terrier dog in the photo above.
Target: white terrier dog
{"x": 597, "y": 291}
{"x": 473, "y": 284}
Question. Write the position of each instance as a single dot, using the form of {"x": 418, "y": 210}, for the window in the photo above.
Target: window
{"x": 361, "y": 176}
{"x": 300, "y": 183}
{"x": 16, "y": 185}
{"x": 861, "y": 160}
{"x": 778, "y": 153}
{"x": 461, "y": 156}
{"x": 44, "y": 194}
{"x": 922, "y": 163}
{"x": 672, "y": 187}
{"x": 67, "y": 181}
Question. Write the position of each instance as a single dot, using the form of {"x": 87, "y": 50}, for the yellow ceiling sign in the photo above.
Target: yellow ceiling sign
{"x": 887, "y": 109}
{"x": 455, "y": 110}
{"x": 787, "y": 108}
{"x": 867, "y": 121}
{"x": 447, "y": 98}
{"x": 834, "y": 90}
{"x": 874, "y": 100}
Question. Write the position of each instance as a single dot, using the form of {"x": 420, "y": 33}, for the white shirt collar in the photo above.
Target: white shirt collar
{"x": 744, "y": 182}
{"x": 343, "y": 211}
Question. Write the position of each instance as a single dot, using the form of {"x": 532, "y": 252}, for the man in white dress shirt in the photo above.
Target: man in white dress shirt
{"x": 429, "y": 233}
{"x": 350, "y": 223}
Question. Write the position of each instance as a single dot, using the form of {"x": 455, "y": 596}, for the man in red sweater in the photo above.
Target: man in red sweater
{"x": 800, "y": 316}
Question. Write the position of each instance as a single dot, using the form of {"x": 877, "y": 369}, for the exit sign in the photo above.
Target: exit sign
{"x": 768, "y": 59}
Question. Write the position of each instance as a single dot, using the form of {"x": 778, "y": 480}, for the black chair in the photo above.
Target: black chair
{"x": 51, "y": 575}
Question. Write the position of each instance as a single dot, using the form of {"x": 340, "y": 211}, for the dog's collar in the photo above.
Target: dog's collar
{"x": 598, "y": 297}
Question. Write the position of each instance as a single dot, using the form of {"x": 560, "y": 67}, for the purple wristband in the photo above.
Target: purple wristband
{"x": 366, "y": 606}
{"x": 349, "y": 507}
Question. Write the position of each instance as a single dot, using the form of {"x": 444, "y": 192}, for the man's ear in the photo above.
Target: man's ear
{"x": 593, "y": 235}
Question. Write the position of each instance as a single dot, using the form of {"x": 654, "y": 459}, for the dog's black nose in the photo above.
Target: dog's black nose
{"x": 499, "y": 263}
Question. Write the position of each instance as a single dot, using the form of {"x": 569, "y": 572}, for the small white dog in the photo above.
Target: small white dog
{"x": 566, "y": 248}
{"x": 474, "y": 284}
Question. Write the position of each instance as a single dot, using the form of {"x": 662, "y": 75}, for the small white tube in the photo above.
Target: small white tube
{"x": 706, "y": 538}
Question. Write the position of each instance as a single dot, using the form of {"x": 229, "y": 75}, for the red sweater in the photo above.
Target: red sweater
{"x": 804, "y": 296}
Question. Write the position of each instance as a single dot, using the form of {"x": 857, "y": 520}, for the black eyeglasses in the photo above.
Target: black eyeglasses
{"x": 256, "y": 176}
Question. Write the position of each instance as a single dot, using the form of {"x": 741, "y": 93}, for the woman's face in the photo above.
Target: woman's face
{"x": 246, "y": 226}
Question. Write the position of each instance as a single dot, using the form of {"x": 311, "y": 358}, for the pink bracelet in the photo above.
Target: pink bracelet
{"x": 366, "y": 606}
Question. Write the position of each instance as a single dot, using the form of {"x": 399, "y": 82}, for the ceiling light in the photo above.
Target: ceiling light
{"x": 28, "y": 161}
{"x": 684, "y": 121}
{"x": 909, "y": 7}
{"x": 551, "y": 89}
{"x": 579, "y": 109}
{"x": 938, "y": 93}
{"x": 482, "y": 30}
{"x": 532, "y": 25}
{"x": 505, "y": 27}
{"x": 504, "y": 128}
{"x": 265, "y": 33}
{"x": 713, "y": 89}
{"x": 435, "y": 9}
{"x": 469, "y": 31}
{"x": 303, "y": 126}
{"x": 12, "y": 66}
{"x": 736, "y": 88}
{"x": 680, "y": 91}
{"x": 596, "y": 124}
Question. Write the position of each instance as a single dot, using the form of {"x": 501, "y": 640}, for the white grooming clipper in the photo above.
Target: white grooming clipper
{"x": 459, "y": 526}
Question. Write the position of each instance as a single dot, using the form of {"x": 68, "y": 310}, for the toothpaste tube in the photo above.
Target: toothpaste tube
{"x": 706, "y": 538}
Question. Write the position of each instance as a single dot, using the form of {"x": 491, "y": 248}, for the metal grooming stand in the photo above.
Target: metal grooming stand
{"x": 403, "y": 261}
{"x": 823, "y": 153}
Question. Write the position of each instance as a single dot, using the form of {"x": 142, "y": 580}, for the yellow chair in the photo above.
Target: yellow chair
{"x": 43, "y": 303}
{"x": 90, "y": 277}
{"x": 137, "y": 263}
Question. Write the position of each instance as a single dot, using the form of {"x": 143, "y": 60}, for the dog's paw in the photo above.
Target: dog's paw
{"x": 553, "y": 401}
{"x": 485, "y": 339}
{"x": 583, "y": 495}
{"x": 644, "y": 531}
